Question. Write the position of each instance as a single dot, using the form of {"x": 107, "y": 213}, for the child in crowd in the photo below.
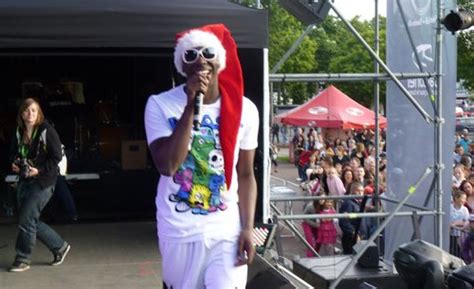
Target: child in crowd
{"x": 327, "y": 232}
{"x": 335, "y": 185}
{"x": 310, "y": 227}
{"x": 458, "y": 175}
{"x": 468, "y": 243}
{"x": 459, "y": 220}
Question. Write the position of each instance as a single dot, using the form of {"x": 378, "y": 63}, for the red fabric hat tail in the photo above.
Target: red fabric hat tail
{"x": 231, "y": 86}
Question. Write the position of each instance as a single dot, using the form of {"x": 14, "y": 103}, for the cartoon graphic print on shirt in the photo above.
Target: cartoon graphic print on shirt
{"x": 201, "y": 176}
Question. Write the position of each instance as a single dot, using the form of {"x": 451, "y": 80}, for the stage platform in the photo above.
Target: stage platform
{"x": 320, "y": 272}
{"x": 103, "y": 255}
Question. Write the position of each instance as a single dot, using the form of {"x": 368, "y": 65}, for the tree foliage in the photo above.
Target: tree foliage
{"x": 466, "y": 52}
{"x": 331, "y": 48}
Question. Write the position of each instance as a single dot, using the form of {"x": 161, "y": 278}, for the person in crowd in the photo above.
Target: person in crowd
{"x": 347, "y": 178}
{"x": 206, "y": 194}
{"x": 468, "y": 243}
{"x": 313, "y": 167}
{"x": 354, "y": 163}
{"x": 298, "y": 143}
{"x": 34, "y": 155}
{"x": 338, "y": 167}
{"x": 466, "y": 187}
{"x": 327, "y": 232}
{"x": 465, "y": 141}
{"x": 458, "y": 153}
{"x": 466, "y": 161}
{"x": 459, "y": 219}
{"x": 302, "y": 165}
{"x": 339, "y": 142}
{"x": 470, "y": 178}
{"x": 335, "y": 185}
{"x": 348, "y": 226}
{"x": 313, "y": 185}
{"x": 326, "y": 164}
{"x": 327, "y": 150}
{"x": 351, "y": 146}
{"x": 340, "y": 156}
{"x": 274, "y": 156}
{"x": 275, "y": 133}
{"x": 360, "y": 153}
{"x": 311, "y": 144}
{"x": 284, "y": 133}
{"x": 458, "y": 175}
{"x": 319, "y": 140}
{"x": 310, "y": 226}
{"x": 359, "y": 176}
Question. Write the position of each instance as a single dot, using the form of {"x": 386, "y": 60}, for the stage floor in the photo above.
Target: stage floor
{"x": 103, "y": 255}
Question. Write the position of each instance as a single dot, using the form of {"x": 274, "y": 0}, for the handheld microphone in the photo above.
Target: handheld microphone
{"x": 197, "y": 110}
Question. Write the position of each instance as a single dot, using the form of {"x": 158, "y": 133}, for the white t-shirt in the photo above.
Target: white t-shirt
{"x": 456, "y": 215}
{"x": 195, "y": 201}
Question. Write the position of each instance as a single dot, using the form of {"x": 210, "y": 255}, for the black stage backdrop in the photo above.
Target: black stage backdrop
{"x": 120, "y": 52}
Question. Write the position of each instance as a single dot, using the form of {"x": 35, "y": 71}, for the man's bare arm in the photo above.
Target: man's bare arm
{"x": 170, "y": 152}
{"x": 247, "y": 201}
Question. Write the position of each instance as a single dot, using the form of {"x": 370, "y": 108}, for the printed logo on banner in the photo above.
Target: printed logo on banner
{"x": 318, "y": 110}
{"x": 417, "y": 12}
{"x": 421, "y": 6}
{"x": 424, "y": 52}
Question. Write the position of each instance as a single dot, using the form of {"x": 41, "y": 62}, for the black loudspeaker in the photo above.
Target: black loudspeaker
{"x": 462, "y": 278}
{"x": 423, "y": 265}
{"x": 370, "y": 258}
{"x": 262, "y": 274}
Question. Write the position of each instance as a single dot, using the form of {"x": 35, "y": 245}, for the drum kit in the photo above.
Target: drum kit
{"x": 91, "y": 132}
{"x": 102, "y": 134}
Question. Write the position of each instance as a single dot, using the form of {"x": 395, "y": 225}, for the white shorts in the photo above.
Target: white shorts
{"x": 208, "y": 264}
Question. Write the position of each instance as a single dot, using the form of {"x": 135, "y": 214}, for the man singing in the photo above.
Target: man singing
{"x": 206, "y": 194}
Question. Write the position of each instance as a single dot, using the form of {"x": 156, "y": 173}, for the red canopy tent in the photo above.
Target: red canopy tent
{"x": 331, "y": 108}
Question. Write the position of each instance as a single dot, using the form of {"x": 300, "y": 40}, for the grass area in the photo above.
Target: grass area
{"x": 282, "y": 159}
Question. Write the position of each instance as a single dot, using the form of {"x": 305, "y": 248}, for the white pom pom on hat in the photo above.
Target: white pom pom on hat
{"x": 198, "y": 38}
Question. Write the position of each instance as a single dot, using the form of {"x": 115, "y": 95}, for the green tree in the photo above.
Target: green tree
{"x": 284, "y": 31}
{"x": 350, "y": 56}
{"x": 466, "y": 52}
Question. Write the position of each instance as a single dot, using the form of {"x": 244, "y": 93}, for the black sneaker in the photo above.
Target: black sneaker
{"x": 60, "y": 256}
{"x": 19, "y": 266}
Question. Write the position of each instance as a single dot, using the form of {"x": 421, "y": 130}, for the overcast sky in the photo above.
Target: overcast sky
{"x": 363, "y": 8}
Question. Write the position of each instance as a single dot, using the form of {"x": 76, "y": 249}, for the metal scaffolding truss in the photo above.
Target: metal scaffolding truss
{"x": 436, "y": 120}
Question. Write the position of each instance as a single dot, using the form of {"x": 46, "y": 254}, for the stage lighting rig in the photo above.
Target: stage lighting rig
{"x": 307, "y": 11}
{"x": 458, "y": 20}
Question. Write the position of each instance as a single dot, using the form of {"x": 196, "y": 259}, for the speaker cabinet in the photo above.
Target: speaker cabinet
{"x": 462, "y": 278}
{"x": 424, "y": 266}
{"x": 370, "y": 258}
{"x": 262, "y": 274}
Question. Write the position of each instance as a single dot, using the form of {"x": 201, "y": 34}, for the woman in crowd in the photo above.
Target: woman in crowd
{"x": 347, "y": 178}
{"x": 466, "y": 187}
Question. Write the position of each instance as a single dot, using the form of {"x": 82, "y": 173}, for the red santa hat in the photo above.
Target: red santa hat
{"x": 231, "y": 85}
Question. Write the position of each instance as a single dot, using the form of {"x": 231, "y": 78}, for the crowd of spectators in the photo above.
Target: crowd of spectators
{"x": 347, "y": 166}
{"x": 461, "y": 234}
{"x": 336, "y": 167}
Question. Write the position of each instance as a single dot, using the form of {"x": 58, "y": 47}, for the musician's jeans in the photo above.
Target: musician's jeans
{"x": 31, "y": 201}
